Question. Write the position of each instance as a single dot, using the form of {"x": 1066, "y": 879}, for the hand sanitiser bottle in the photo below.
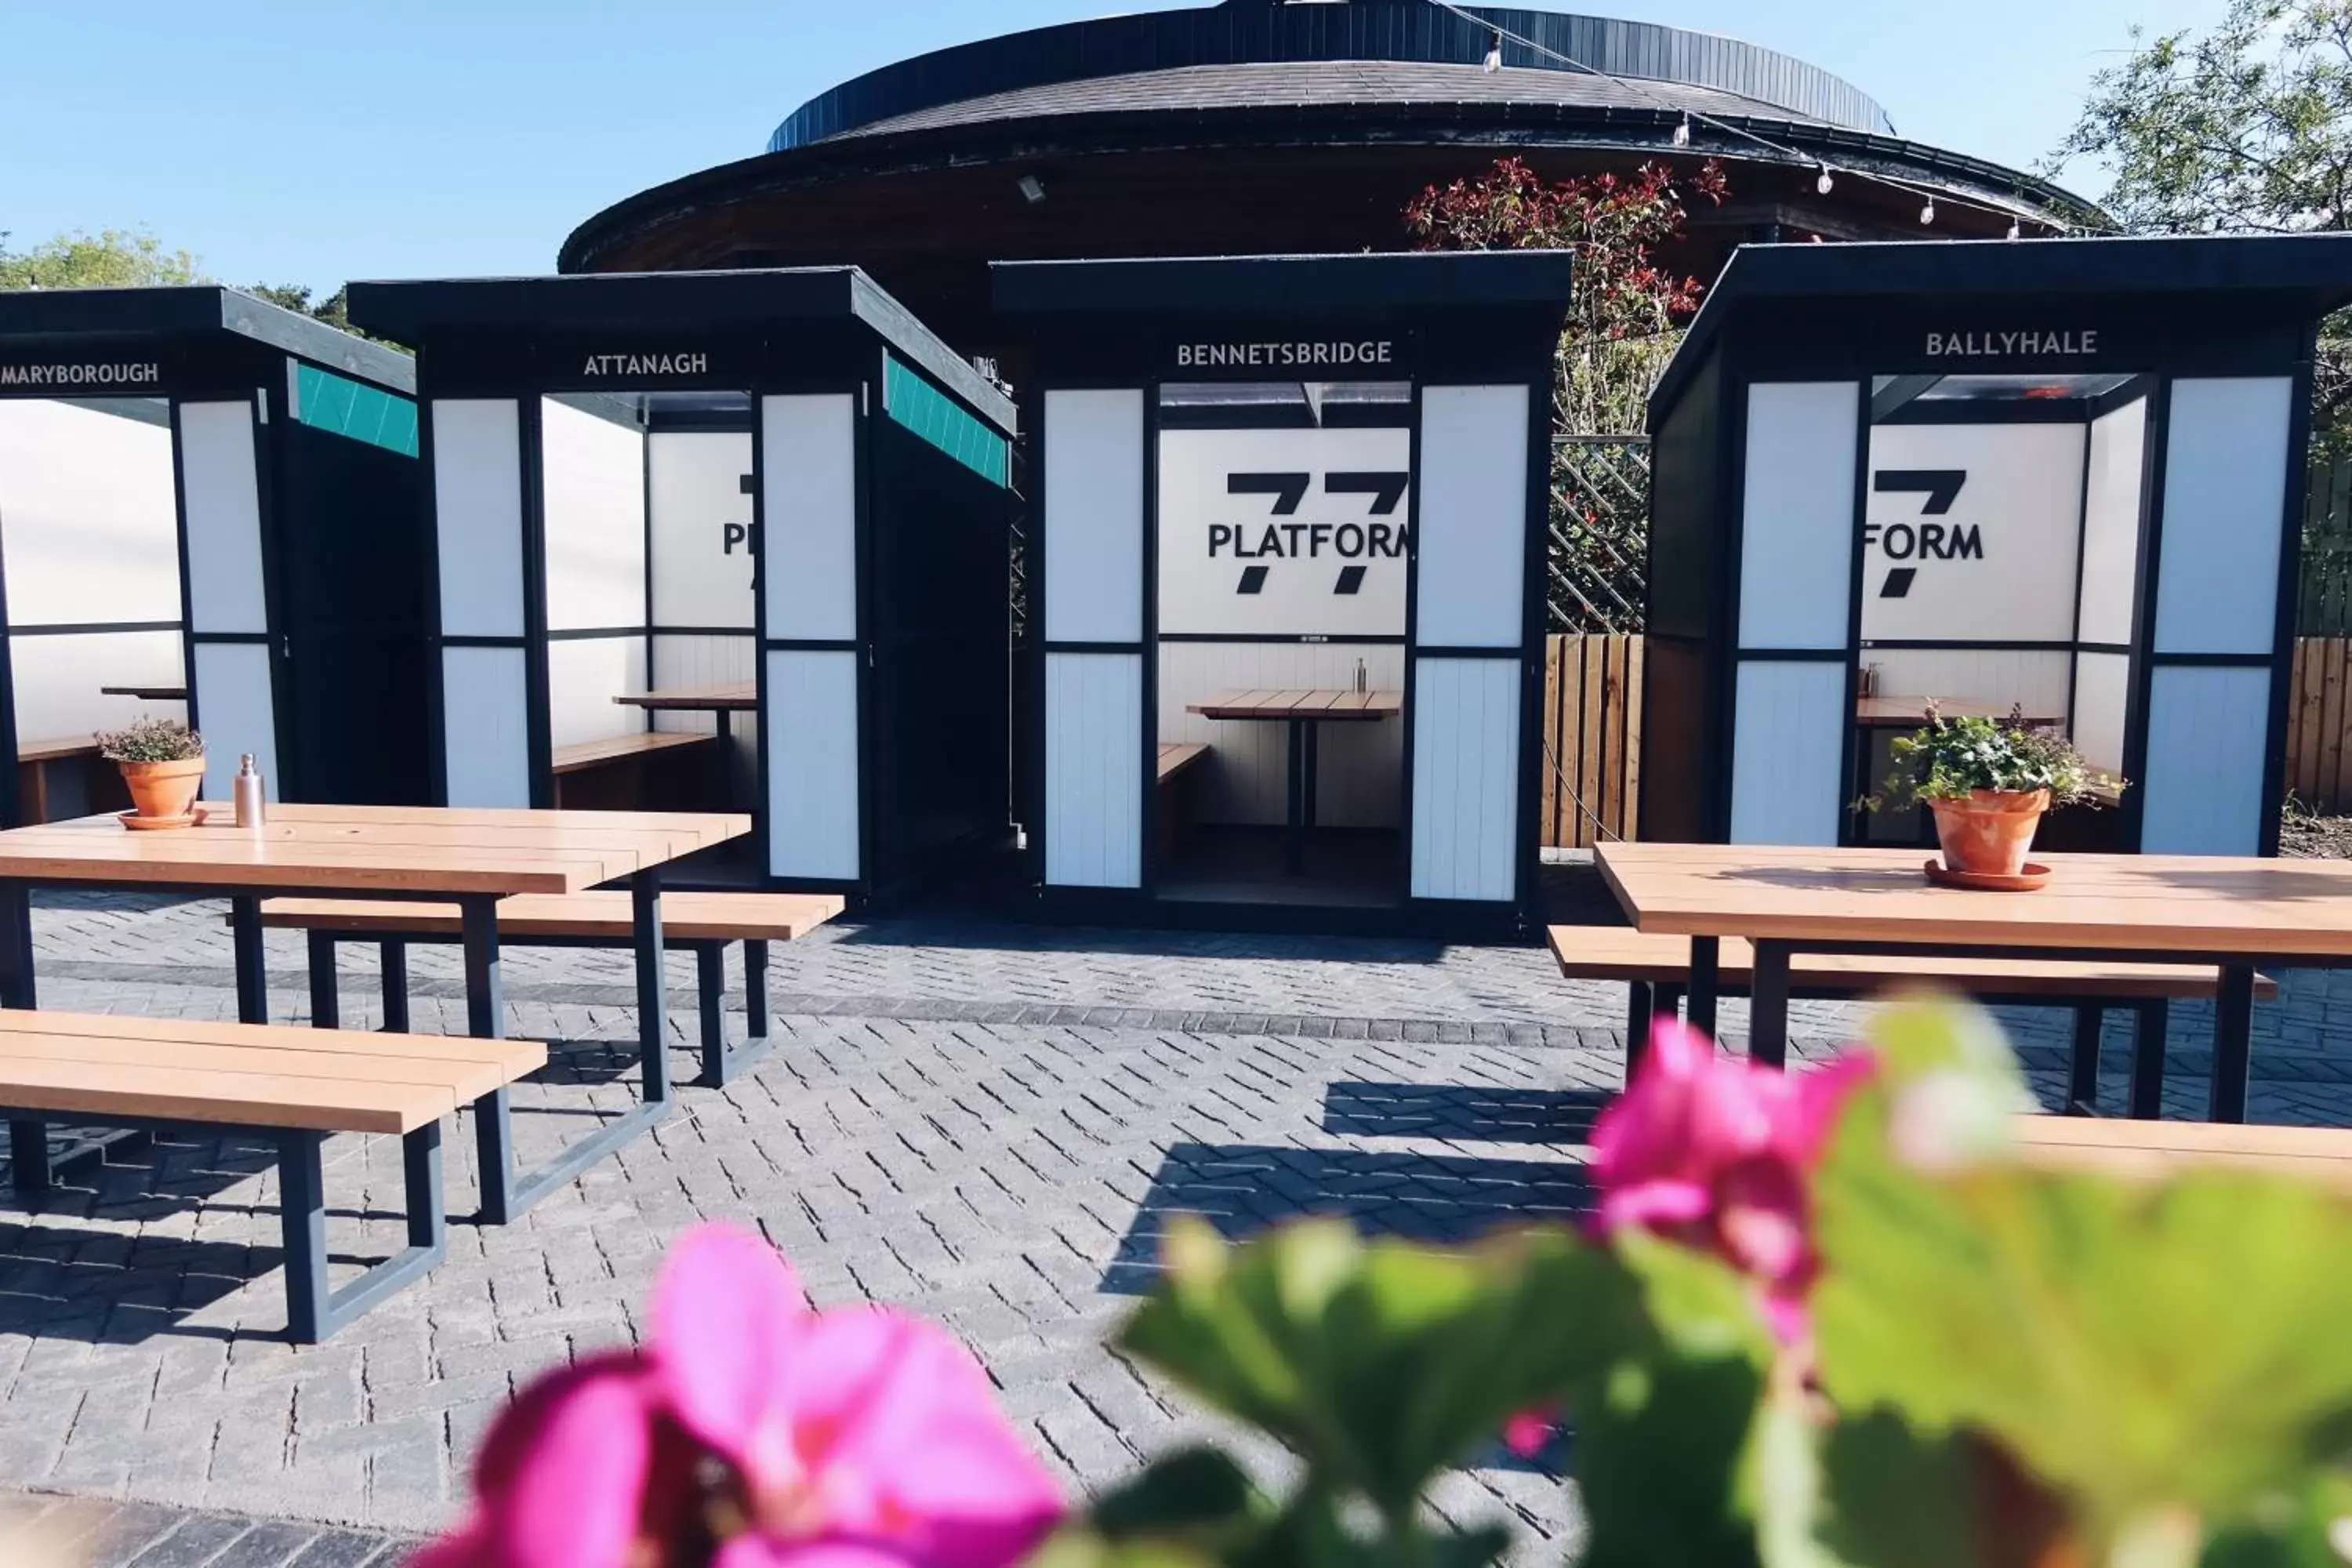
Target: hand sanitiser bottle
{"x": 252, "y": 803}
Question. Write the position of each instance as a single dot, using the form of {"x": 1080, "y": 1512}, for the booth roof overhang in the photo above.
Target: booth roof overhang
{"x": 1355, "y": 283}
{"x": 2300, "y": 276}
{"x": 707, "y": 305}
{"x": 59, "y": 316}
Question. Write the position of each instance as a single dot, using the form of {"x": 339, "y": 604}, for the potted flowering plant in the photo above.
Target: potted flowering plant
{"x": 1835, "y": 1318}
{"x": 1988, "y": 782}
{"x": 162, "y": 763}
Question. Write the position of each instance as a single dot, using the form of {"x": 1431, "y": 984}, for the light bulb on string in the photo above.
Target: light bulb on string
{"x": 1495, "y": 56}
{"x": 2015, "y": 232}
{"x": 1927, "y": 213}
{"x": 1683, "y": 133}
{"x": 1825, "y": 184}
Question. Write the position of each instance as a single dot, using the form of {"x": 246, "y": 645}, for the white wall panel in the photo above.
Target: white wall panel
{"x": 2206, "y": 742}
{"x": 702, "y": 562}
{"x": 1788, "y": 752}
{"x": 235, "y": 713}
{"x": 1359, "y": 766}
{"x": 88, "y": 521}
{"x": 485, "y": 726}
{"x": 2112, "y": 492}
{"x": 1466, "y": 778}
{"x": 2102, "y": 700}
{"x": 221, "y": 491}
{"x": 477, "y": 515}
{"x": 2225, "y": 465}
{"x": 57, "y": 679}
{"x": 1471, "y": 539}
{"x": 2036, "y": 677}
{"x": 593, "y": 503}
{"x": 1093, "y": 516}
{"x": 583, "y": 676}
{"x": 808, "y": 457}
{"x": 812, "y": 803}
{"x": 1796, "y": 553}
{"x": 1999, "y": 563}
{"x": 1093, "y": 770}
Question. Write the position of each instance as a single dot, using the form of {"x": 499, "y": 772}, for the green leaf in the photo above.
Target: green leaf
{"x": 1381, "y": 1363}
{"x": 1198, "y": 1494}
{"x": 1891, "y": 1499}
{"x": 2310, "y": 1529}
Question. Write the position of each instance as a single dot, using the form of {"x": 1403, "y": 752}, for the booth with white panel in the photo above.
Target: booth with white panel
{"x": 2058, "y": 481}
{"x": 732, "y": 540}
{"x": 1285, "y": 555}
{"x": 207, "y": 511}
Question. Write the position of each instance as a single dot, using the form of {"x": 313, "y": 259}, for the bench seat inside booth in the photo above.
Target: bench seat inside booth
{"x": 615, "y": 772}
{"x": 1178, "y": 795}
{"x": 41, "y": 764}
{"x": 292, "y": 1085}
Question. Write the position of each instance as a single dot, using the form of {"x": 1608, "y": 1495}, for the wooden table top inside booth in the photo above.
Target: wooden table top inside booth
{"x": 2211, "y": 905}
{"x": 1300, "y": 703}
{"x": 172, "y": 693}
{"x": 397, "y": 848}
{"x": 738, "y": 697}
{"x": 1912, "y": 711}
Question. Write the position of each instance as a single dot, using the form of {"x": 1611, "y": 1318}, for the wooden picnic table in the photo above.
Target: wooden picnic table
{"x": 1304, "y": 709}
{"x": 172, "y": 692}
{"x": 2233, "y": 913}
{"x": 723, "y": 702}
{"x": 473, "y": 858}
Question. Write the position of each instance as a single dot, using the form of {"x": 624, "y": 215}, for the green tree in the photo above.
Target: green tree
{"x": 2245, "y": 128}
{"x": 111, "y": 258}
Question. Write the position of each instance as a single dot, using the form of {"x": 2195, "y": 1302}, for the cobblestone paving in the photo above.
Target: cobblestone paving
{"x": 988, "y": 1125}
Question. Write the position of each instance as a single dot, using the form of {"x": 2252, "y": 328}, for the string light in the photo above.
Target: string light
{"x": 2014, "y": 230}
{"x": 1683, "y": 133}
{"x": 1927, "y": 213}
{"x": 1823, "y": 184}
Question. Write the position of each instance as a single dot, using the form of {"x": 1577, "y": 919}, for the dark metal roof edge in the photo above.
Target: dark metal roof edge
{"x": 180, "y": 310}
{"x": 903, "y": 330}
{"x": 2313, "y": 271}
{"x": 1287, "y": 285}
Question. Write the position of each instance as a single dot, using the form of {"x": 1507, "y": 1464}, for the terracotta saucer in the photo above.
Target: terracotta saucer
{"x": 132, "y": 820}
{"x": 2026, "y": 881}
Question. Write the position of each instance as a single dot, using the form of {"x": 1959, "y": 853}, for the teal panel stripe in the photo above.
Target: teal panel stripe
{"x": 325, "y": 401}
{"x": 931, "y": 414}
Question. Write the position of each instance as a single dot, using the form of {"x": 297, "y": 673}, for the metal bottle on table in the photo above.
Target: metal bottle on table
{"x": 252, "y": 797}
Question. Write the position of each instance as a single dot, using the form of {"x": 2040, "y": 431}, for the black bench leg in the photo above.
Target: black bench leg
{"x": 1767, "y": 1005}
{"x": 326, "y": 1004}
{"x": 2234, "y": 1030}
{"x": 313, "y": 1311}
{"x": 17, "y": 988}
{"x": 2082, "y": 1060}
{"x": 2149, "y": 1020}
{"x": 392, "y": 957}
{"x": 711, "y": 1005}
{"x": 486, "y": 1020}
{"x": 1641, "y": 1014}
{"x": 252, "y": 974}
{"x": 653, "y": 988}
{"x": 759, "y": 1021}
{"x": 1705, "y": 954}
{"x": 29, "y": 1154}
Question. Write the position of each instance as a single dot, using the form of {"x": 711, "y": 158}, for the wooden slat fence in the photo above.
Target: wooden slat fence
{"x": 1592, "y": 739}
{"x": 2318, "y": 763}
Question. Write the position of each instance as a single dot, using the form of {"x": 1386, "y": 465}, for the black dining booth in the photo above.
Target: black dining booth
{"x": 775, "y": 487}
{"x": 2062, "y": 479}
{"x": 208, "y": 504}
{"x": 1284, "y": 556}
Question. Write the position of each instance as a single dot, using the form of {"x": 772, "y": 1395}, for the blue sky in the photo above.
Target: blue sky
{"x": 311, "y": 144}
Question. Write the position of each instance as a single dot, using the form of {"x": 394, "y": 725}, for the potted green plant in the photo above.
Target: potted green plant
{"x": 1988, "y": 782}
{"x": 162, "y": 763}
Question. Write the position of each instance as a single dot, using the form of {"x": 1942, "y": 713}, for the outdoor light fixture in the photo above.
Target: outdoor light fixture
{"x": 1825, "y": 184}
{"x": 1495, "y": 56}
{"x": 1033, "y": 189}
{"x": 2014, "y": 231}
{"x": 1927, "y": 213}
{"x": 1682, "y": 133}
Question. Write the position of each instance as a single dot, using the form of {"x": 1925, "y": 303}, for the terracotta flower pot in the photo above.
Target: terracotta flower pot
{"x": 1990, "y": 832}
{"x": 165, "y": 789}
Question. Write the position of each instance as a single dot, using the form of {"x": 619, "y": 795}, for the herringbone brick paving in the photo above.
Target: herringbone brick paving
{"x": 986, "y": 1124}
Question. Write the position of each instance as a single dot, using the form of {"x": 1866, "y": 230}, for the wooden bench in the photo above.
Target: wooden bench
{"x": 617, "y": 767}
{"x": 702, "y": 924}
{"x": 1177, "y": 794}
{"x": 36, "y": 760}
{"x": 293, "y": 1085}
{"x": 2153, "y": 1149}
{"x": 1657, "y": 968}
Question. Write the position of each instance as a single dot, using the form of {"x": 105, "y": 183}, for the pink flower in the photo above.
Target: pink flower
{"x": 754, "y": 1432}
{"x": 1716, "y": 1152}
{"x": 860, "y": 1437}
{"x": 1526, "y": 1433}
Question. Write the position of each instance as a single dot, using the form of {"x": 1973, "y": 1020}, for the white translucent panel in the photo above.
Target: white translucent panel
{"x": 583, "y": 676}
{"x": 701, "y": 516}
{"x": 2102, "y": 701}
{"x": 1093, "y": 770}
{"x": 1788, "y": 752}
{"x": 2225, "y": 467}
{"x": 1992, "y": 557}
{"x": 2202, "y": 792}
{"x": 220, "y": 490}
{"x": 89, "y": 524}
{"x": 485, "y": 726}
{"x": 2114, "y": 492}
{"x": 809, "y": 468}
{"x": 235, "y": 712}
{"x": 1466, "y": 779}
{"x": 1471, "y": 540}
{"x": 1796, "y": 550}
{"x": 812, "y": 794}
{"x": 57, "y": 680}
{"x": 1093, "y": 516}
{"x": 477, "y": 515}
{"x": 592, "y": 504}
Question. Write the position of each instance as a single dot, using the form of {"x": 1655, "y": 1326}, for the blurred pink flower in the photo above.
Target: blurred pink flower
{"x": 754, "y": 1432}
{"x": 1716, "y": 1152}
{"x": 1529, "y": 1432}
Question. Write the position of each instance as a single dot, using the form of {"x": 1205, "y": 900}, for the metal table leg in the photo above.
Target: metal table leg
{"x": 28, "y": 1136}
{"x": 252, "y": 974}
{"x": 485, "y": 1009}
{"x": 393, "y": 956}
{"x": 326, "y": 1003}
{"x": 2233, "y": 1027}
{"x": 1767, "y": 1005}
{"x": 1640, "y": 1013}
{"x": 313, "y": 1311}
{"x": 1295, "y": 854}
{"x": 1705, "y": 954}
{"x": 2148, "y": 1022}
{"x": 2083, "y": 1061}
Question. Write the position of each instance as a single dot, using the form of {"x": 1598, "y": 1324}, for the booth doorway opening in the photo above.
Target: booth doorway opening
{"x": 649, "y": 588}
{"x": 1284, "y": 547}
{"x": 2003, "y": 525}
